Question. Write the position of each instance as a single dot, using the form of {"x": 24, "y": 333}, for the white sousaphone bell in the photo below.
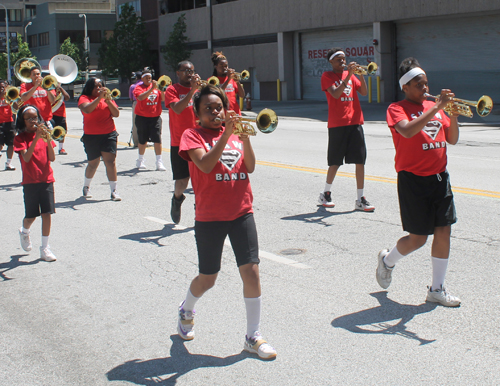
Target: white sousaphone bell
{"x": 64, "y": 70}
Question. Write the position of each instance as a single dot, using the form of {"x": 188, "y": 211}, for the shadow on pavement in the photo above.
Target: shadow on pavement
{"x": 384, "y": 318}
{"x": 317, "y": 217}
{"x": 10, "y": 187}
{"x": 14, "y": 263}
{"x": 154, "y": 237}
{"x": 79, "y": 201}
{"x": 166, "y": 371}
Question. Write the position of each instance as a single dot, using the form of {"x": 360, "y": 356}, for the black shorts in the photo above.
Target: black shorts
{"x": 180, "y": 167}
{"x": 148, "y": 129}
{"x": 210, "y": 238}
{"x": 346, "y": 142}
{"x": 7, "y": 133}
{"x": 39, "y": 198}
{"x": 94, "y": 144}
{"x": 425, "y": 202}
{"x": 60, "y": 121}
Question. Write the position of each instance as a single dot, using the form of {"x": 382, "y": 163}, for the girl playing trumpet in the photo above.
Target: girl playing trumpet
{"x": 229, "y": 82}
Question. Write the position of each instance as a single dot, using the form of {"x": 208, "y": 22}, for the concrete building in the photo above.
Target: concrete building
{"x": 455, "y": 41}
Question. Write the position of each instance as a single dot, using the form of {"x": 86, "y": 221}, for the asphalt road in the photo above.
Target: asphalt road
{"x": 105, "y": 312}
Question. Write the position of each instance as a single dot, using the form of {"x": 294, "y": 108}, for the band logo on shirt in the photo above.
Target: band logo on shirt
{"x": 432, "y": 129}
{"x": 347, "y": 92}
{"x": 181, "y": 96}
{"x": 229, "y": 88}
{"x": 39, "y": 94}
{"x": 229, "y": 158}
{"x": 152, "y": 99}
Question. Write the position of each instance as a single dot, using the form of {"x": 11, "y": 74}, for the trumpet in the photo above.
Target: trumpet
{"x": 56, "y": 134}
{"x": 461, "y": 106}
{"x": 242, "y": 76}
{"x": 112, "y": 94}
{"x": 371, "y": 69}
{"x": 266, "y": 122}
{"x": 163, "y": 82}
{"x": 213, "y": 80}
{"x": 49, "y": 82}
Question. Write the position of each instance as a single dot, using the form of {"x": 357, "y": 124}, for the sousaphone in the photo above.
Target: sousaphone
{"x": 64, "y": 69}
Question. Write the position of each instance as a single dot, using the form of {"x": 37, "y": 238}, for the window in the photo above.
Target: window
{"x": 14, "y": 15}
{"x": 171, "y": 6}
{"x": 30, "y": 11}
{"x": 33, "y": 41}
{"x": 78, "y": 35}
{"x": 43, "y": 38}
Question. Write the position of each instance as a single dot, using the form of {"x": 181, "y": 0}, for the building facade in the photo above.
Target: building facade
{"x": 454, "y": 40}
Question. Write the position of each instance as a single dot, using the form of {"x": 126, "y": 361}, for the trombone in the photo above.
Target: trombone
{"x": 461, "y": 106}
{"x": 371, "y": 69}
{"x": 266, "y": 122}
{"x": 163, "y": 82}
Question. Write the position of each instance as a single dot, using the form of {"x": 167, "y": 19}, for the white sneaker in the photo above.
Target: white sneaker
{"x": 115, "y": 196}
{"x": 86, "y": 192}
{"x": 25, "y": 240}
{"x": 185, "y": 323}
{"x": 46, "y": 254}
{"x": 325, "y": 199}
{"x": 441, "y": 296}
{"x": 9, "y": 167}
{"x": 383, "y": 273}
{"x": 141, "y": 164}
{"x": 257, "y": 345}
{"x": 364, "y": 205}
{"x": 160, "y": 167}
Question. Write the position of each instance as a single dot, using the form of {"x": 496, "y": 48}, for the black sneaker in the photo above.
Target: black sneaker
{"x": 175, "y": 210}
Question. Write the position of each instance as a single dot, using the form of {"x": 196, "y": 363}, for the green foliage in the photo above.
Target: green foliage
{"x": 128, "y": 49}
{"x": 72, "y": 50}
{"x": 22, "y": 52}
{"x": 175, "y": 49}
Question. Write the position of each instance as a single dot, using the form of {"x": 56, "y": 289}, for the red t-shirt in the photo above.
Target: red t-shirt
{"x": 99, "y": 121}
{"x": 39, "y": 99}
{"x": 38, "y": 169}
{"x": 232, "y": 94}
{"x": 346, "y": 110}
{"x": 424, "y": 154}
{"x": 225, "y": 193}
{"x": 61, "y": 111}
{"x": 149, "y": 107}
{"x": 178, "y": 122}
{"x": 5, "y": 112}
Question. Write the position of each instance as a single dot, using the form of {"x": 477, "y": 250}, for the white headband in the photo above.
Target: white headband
{"x": 410, "y": 75}
{"x": 30, "y": 108}
{"x": 145, "y": 74}
{"x": 336, "y": 54}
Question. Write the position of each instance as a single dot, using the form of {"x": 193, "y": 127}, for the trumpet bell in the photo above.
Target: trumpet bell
{"x": 243, "y": 75}
{"x": 58, "y": 133}
{"x": 213, "y": 80}
{"x": 22, "y": 69}
{"x": 63, "y": 68}
{"x": 12, "y": 94}
{"x": 267, "y": 121}
{"x": 484, "y": 106}
{"x": 49, "y": 82}
{"x": 163, "y": 82}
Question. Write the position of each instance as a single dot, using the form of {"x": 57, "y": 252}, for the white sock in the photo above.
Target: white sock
{"x": 45, "y": 241}
{"x": 158, "y": 157}
{"x": 87, "y": 181}
{"x": 25, "y": 231}
{"x": 141, "y": 157}
{"x": 393, "y": 257}
{"x": 253, "y": 306}
{"x": 439, "y": 267}
{"x": 61, "y": 145}
{"x": 360, "y": 194}
{"x": 9, "y": 160}
{"x": 190, "y": 301}
{"x": 112, "y": 185}
{"x": 328, "y": 187}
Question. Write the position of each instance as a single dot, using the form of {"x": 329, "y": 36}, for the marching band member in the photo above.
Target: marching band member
{"x": 420, "y": 131}
{"x": 7, "y": 131}
{"x": 59, "y": 116}
{"x": 99, "y": 133}
{"x": 33, "y": 94}
{"x": 223, "y": 208}
{"x": 346, "y": 140}
{"x": 148, "y": 118}
{"x": 35, "y": 154}
{"x": 228, "y": 81}
{"x": 178, "y": 100}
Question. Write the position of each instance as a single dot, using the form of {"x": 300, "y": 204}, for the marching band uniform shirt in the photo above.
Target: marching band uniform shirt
{"x": 151, "y": 106}
{"x": 38, "y": 169}
{"x": 346, "y": 110}
{"x": 5, "y": 112}
{"x": 232, "y": 94}
{"x": 39, "y": 99}
{"x": 225, "y": 193}
{"x": 99, "y": 121}
{"x": 61, "y": 111}
{"x": 178, "y": 122}
{"x": 424, "y": 154}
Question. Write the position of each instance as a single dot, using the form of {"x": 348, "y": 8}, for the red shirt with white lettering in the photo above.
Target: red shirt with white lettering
{"x": 149, "y": 107}
{"x": 231, "y": 91}
{"x": 346, "y": 110}
{"x": 179, "y": 122}
{"x": 39, "y": 99}
{"x": 5, "y": 112}
{"x": 225, "y": 193}
{"x": 61, "y": 111}
{"x": 424, "y": 154}
{"x": 99, "y": 121}
{"x": 38, "y": 169}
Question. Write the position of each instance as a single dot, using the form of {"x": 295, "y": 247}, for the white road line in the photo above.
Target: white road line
{"x": 262, "y": 254}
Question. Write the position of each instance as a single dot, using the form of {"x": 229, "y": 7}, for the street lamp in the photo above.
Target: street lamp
{"x": 26, "y": 31}
{"x": 86, "y": 47}
{"x": 8, "y": 38}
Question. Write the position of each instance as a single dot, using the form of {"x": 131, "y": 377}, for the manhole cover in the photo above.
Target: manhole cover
{"x": 292, "y": 251}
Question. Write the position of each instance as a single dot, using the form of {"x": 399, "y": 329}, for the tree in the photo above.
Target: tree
{"x": 72, "y": 50}
{"x": 127, "y": 50}
{"x": 22, "y": 52}
{"x": 175, "y": 50}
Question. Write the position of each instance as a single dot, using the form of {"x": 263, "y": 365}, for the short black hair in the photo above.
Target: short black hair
{"x": 407, "y": 64}
{"x": 207, "y": 90}
{"x": 138, "y": 75}
{"x": 180, "y": 64}
{"x": 20, "y": 124}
